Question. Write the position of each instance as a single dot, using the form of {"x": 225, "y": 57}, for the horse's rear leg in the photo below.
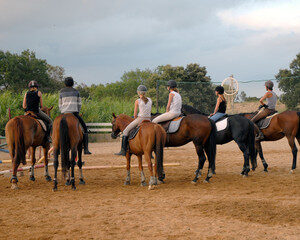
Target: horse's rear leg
{"x": 261, "y": 155}
{"x": 33, "y": 160}
{"x": 73, "y": 163}
{"x": 211, "y": 166}
{"x": 245, "y": 150}
{"x": 143, "y": 179}
{"x": 128, "y": 159}
{"x": 291, "y": 140}
{"x": 45, "y": 150}
{"x": 79, "y": 164}
{"x": 153, "y": 179}
{"x": 55, "y": 155}
{"x": 201, "y": 161}
{"x": 14, "y": 179}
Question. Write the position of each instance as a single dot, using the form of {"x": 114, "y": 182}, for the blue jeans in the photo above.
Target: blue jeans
{"x": 217, "y": 116}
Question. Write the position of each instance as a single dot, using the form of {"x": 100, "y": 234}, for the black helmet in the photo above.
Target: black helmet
{"x": 33, "y": 84}
{"x": 269, "y": 84}
{"x": 219, "y": 89}
{"x": 142, "y": 88}
{"x": 69, "y": 82}
{"x": 172, "y": 84}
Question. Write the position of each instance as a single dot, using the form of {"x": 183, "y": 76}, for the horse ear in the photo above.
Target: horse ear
{"x": 50, "y": 108}
{"x": 114, "y": 115}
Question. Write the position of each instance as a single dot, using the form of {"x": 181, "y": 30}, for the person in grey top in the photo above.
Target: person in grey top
{"x": 70, "y": 102}
{"x": 266, "y": 109}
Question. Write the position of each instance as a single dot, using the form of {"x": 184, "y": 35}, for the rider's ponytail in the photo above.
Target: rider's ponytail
{"x": 144, "y": 98}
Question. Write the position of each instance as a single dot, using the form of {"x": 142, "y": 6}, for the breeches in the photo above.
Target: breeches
{"x": 133, "y": 124}
{"x": 165, "y": 117}
{"x": 261, "y": 114}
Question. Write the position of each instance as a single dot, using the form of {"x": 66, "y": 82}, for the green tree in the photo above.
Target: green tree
{"x": 289, "y": 83}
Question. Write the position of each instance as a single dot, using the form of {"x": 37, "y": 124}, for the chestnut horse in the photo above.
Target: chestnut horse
{"x": 202, "y": 132}
{"x": 150, "y": 137}
{"x": 67, "y": 136}
{"x": 285, "y": 124}
{"x": 24, "y": 132}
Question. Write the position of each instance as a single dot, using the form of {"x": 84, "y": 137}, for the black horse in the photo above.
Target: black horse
{"x": 239, "y": 129}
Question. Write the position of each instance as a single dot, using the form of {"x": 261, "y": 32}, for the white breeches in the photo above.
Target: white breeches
{"x": 165, "y": 117}
{"x": 133, "y": 124}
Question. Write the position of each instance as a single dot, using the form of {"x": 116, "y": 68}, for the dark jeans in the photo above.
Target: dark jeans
{"x": 76, "y": 114}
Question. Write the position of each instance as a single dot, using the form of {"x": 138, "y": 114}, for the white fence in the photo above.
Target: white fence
{"x": 99, "y": 127}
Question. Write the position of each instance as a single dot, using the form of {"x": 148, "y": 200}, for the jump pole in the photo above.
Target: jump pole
{"x": 24, "y": 168}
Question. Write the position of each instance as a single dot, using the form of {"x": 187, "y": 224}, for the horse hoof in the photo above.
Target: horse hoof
{"x": 151, "y": 187}
{"x": 126, "y": 183}
{"x": 14, "y": 186}
{"x": 245, "y": 175}
{"x": 143, "y": 184}
{"x": 48, "y": 178}
{"x": 68, "y": 183}
{"x": 32, "y": 178}
{"x": 292, "y": 171}
{"x": 194, "y": 182}
{"x": 266, "y": 170}
{"x": 54, "y": 189}
{"x": 73, "y": 188}
{"x": 206, "y": 181}
{"x": 160, "y": 181}
{"x": 81, "y": 181}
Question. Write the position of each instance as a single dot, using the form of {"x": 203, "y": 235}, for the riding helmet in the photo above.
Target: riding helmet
{"x": 142, "y": 88}
{"x": 219, "y": 89}
{"x": 33, "y": 84}
{"x": 172, "y": 84}
{"x": 69, "y": 82}
{"x": 269, "y": 84}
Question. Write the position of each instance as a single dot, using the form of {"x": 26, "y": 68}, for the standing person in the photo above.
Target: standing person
{"x": 174, "y": 104}
{"x": 220, "y": 108}
{"x": 32, "y": 102}
{"x": 70, "y": 102}
{"x": 266, "y": 109}
{"x": 142, "y": 111}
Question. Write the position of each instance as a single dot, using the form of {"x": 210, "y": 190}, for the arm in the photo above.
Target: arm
{"x": 136, "y": 106}
{"x": 217, "y": 106}
{"x": 171, "y": 95}
{"x": 267, "y": 95}
{"x": 41, "y": 100}
{"x": 24, "y": 101}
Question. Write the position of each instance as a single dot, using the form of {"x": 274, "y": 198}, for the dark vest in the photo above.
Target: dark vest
{"x": 32, "y": 101}
{"x": 222, "y": 107}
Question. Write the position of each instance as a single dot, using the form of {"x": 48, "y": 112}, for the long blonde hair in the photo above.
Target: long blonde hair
{"x": 144, "y": 98}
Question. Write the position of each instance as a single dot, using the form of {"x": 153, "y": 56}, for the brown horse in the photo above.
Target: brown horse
{"x": 283, "y": 124}
{"x": 67, "y": 136}
{"x": 202, "y": 132}
{"x": 24, "y": 132}
{"x": 150, "y": 137}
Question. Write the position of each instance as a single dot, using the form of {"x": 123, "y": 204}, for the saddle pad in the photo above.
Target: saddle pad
{"x": 265, "y": 122}
{"x": 134, "y": 132}
{"x": 174, "y": 125}
{"x": 222, "y": 125}
{"x": 43, "y": 125}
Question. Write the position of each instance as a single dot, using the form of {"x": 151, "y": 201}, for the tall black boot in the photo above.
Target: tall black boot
{"x": 86, "y": 143}
{"x": 259, "y": 135}
{"x": 48, "y": 134}
{"x": 124, "y": 146}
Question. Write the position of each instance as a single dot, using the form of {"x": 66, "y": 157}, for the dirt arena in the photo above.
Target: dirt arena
{"x": 262, "y": 206}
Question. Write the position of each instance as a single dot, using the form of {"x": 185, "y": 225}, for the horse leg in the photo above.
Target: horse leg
{"x": 73, "y": 163}
{"x": 143, "y": 179}
{"x": 291, "y": 140}
{"x": 79, "y": 164}
{"x": 55, "y": 154}
{"x": 246, "y": 167}
{"x": 14, "y": 178}
{"x": 47, "y": 176}
{"x": 33, "y": 160}
{"x": 211, "y": 168}
{"x": 128, "y": 158}
{"x": 201, "y": 161}
{"x": 153, "y": 179}
{"x": 261, "y": 155}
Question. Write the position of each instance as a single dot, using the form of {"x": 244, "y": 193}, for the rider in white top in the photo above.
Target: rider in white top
{"x": 174, "y": 104}
{"x": 142, "y": 105}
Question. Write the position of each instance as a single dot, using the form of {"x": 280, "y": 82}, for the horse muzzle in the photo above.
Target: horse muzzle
{"x": 113, "y": 135}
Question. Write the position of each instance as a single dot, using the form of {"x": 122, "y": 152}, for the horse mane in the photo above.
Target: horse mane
{"x": 187, "y": 109}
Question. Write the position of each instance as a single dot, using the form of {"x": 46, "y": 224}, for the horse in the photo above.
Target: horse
{"x": 202, "y": 132}
{"x": 240, "y": 130}
{"x": 67, "y": 136}
{"x": 24, "y": 132}
{"x": 150, "y": 137}
{"x": 285, "y": 124}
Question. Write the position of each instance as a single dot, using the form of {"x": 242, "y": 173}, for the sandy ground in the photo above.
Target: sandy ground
{"x": 262, "y": 206}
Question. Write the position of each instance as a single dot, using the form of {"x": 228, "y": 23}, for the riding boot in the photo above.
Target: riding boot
{"x": 86, "y": 144}
{"x": 259, "y": 134}
{"x": 124, "y": 146}
{"x": 48, "y": 134}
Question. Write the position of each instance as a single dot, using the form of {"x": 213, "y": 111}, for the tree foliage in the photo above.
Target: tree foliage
{"x": 289, "y": 83}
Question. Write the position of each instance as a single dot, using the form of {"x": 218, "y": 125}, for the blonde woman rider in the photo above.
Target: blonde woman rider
{"x": 142, "y": 111}
{"x": 174, "y": 104}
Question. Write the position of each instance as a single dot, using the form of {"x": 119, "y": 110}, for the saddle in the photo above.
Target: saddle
{"x": 265, "y": 122}
{"x": 173, "y": 125}
{"x": 222, "y": 123}
{"x": 38, "y": 120}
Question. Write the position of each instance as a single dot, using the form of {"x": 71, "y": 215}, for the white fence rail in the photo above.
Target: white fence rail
{"x": 99, "y": 127}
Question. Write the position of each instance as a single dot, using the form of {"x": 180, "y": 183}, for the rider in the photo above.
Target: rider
{"x": 220, "y": 108}
{"x": 266, "y": 109}
{"x": 70, "y": 102}
{"x": 142, "y": 105}
{"x": 174, "y": 104}
{"x": 33, "y": 101}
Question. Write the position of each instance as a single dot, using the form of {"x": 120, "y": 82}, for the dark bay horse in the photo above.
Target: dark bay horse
{"x": 285, "y": 124}
{"x": 202, "y": 132}
{"x": 240, "y": 130}
{"x": 150, "y": 137}
{"x": 67, "y": 136}
{"x": 24, "y": 132}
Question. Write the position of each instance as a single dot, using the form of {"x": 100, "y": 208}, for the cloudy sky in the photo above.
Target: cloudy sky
{"x": 97, "y": 41}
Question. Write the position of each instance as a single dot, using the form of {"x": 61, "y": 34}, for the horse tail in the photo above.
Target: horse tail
{"x": 251, "y": 141}
{"x": 64, "y": 144}
{"x": 298, "y": 133}
{"x": 19, "y": 151}
{"x": 160, "y": 140}
{"x": 212, "y": 144}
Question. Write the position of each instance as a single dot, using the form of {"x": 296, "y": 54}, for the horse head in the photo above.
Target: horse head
{"x": 119, "y": 123}
{"x": 47, "y": 110}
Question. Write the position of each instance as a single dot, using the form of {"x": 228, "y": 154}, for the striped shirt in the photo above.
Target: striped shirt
{"x": 69, "y": 100}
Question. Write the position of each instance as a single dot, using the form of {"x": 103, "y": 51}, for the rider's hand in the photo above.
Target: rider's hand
{"x": 211, "y": 114}
{"x": 261, "y": 106}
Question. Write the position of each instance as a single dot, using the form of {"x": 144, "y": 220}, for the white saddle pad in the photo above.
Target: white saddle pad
{"x": 221, "y": 125}
{"x": 43, "y": 125}
{"x": 174, "y": 125}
